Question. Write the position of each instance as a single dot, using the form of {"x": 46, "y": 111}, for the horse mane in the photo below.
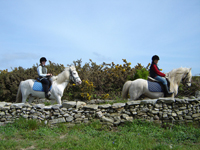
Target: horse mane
{"x": 176, "y": 75}
{"x": 63, "y": 76}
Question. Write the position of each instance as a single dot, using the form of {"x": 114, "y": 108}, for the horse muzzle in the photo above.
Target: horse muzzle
{"x": 78, "y": 82}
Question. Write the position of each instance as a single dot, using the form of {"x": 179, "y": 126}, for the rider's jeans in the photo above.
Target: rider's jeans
{"x": 163, "y": 80}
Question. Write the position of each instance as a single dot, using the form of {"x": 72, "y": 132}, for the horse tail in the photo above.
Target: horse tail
{"x": 19, "y": 94}
{"x": 125, "y": 89}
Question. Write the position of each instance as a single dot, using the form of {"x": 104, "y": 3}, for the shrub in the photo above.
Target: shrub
{"x": 104, "y": 81}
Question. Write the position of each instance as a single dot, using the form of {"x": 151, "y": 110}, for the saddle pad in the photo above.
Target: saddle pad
{"x": 37, "y": 86}
{"x": 154, "y": 87}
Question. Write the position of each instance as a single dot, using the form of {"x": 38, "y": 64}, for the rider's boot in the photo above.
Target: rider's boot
{"x": 47, "y": 95}
{"x": 167, "y": 92}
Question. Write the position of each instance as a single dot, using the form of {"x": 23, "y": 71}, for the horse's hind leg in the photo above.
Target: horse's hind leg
{"x": 134, "y": 95}
{"x": 24, "y": 98}
{"x": 31, "y": 98}
{"x": 135, "y": 91}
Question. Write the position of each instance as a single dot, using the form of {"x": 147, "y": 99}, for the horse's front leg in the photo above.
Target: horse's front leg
{"x": 58, "y": 99}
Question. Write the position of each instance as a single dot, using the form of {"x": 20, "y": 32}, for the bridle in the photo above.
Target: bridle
{"x": 72, "y": 76}
{"x": 184, "y": 79}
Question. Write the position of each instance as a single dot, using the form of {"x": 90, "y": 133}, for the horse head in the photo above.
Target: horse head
{"x": 74, "y": 75}
{"x": 181, "y": 75}
{"x": 187, "y": 78}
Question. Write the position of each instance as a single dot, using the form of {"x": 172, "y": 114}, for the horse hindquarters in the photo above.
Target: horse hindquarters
{"x": 126, "y": 89}
{"x": 137, "y": 88}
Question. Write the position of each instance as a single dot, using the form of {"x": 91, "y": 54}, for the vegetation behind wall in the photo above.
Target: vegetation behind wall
{"x": 104, "y": 81}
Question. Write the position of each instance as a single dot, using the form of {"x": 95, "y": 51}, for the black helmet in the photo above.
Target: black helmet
{"x": 155, "y": 57}
{"x": 43, "y": 59}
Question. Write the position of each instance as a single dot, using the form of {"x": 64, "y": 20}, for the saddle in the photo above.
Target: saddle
{"x": 155, "y": 85}
{"x": 154, "y": 80}
{"x": 50, "y": 81}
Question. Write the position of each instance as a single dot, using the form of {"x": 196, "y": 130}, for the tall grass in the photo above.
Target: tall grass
{"x": 30, "y": 134}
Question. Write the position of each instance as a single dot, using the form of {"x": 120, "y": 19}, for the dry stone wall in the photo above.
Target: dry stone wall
{"x": 160, "y": 110}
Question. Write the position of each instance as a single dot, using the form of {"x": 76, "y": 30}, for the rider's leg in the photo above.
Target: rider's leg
{"x": 164, "y": 82}
{"x": 45, "y": 85}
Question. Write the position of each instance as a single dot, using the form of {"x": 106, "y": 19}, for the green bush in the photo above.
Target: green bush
{"x": 104, "y": 81}
{"x": 143, "y": 74}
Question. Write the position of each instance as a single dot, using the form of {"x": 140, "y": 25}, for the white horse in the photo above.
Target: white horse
{"x": 140, "y": 86}
{"x": 59, "y": 83}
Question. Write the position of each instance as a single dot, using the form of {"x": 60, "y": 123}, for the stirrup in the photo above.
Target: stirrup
{"x": 47, "y": 95}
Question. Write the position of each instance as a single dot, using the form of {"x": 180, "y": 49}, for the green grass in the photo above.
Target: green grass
{"x": 27, "y": 134}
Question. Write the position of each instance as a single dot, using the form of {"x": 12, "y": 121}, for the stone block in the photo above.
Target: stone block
{"x": 47, "y": 107}
{"x": 66, "y": 115}
{"x": 181, "y": 101}
{"x": 39, "y": 106}
{"x": 174, "y": 114}
{"x": 77, "y": 115}
{"x": 105, "y": 106}
{"x": 69, "y": 119}
{"x": 58, "y": 120}
{"x": 105, "y": 119}
{"x": 150, "y": 101}
{"x": 179, "y": 112}
{"x": 158, "y": 105}
{"x": 118, "y": 105}
{"x": 93, "y": 107}
{"x": 133, "y": 103}
{"x": 188, "y": 117}
{"x": 70, "y": 104}
{"x": 18, "y": 105}
{"x": 80, "y": 104}
{"x": 154, "y": 112}
{"x": 99, "y": 114}
{"x": 166, "y": 100}
{"x": 196, "y": 115}
{"x": 124, "y": 116}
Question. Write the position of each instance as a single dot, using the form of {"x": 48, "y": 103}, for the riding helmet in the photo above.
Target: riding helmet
{"x": 155, "y": 57}
{"x": 43, "y": 59}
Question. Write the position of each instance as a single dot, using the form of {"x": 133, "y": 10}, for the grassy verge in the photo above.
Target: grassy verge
{"x": 29, "y": 134}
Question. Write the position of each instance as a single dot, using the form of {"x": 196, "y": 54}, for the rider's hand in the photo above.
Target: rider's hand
{"x": 49, "y": 74}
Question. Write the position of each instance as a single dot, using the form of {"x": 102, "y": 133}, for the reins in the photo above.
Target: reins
{"x": 184, "y": 79}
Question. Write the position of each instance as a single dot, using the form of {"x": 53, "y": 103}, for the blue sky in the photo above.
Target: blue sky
{"x": 101, "y": 30}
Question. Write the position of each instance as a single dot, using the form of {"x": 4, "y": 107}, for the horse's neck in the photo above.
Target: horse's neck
{"x": 64, "y": 85}
{"x": 175, "y": 78}
{"x": 62, "y": 78}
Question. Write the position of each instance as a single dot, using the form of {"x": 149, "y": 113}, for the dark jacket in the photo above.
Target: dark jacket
{"x": 155, "y": 71}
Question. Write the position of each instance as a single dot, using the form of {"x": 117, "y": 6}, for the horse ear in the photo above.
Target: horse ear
{"x": 72, "y": 67}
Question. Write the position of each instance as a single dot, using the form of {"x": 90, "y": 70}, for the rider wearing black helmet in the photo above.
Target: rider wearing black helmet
{"x": 156, "y": 74}
{"x": 43, "y": 75}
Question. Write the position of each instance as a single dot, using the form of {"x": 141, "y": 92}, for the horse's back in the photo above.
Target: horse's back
{"x": 27, "y": 83}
